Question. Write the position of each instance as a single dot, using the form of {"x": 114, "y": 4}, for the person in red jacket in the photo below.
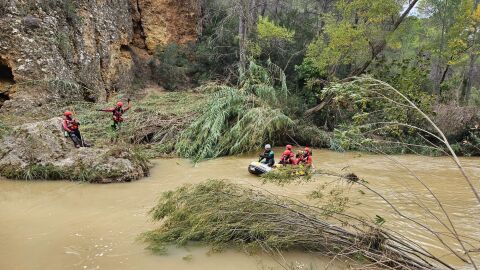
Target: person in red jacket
{"x": 288, "y": 158}
{"x": 71, "y": 128}
{"x": 306, "y": 159}
{"x": 117, "y": 112}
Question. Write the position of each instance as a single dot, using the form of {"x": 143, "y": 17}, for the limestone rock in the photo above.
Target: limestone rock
{"x": 41, "y": 146}
{"x": 177, "y": 23}
{"x": 88, "y": 42}
{"x": 32, "y": 22}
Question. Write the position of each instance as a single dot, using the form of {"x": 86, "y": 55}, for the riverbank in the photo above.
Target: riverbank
{"x": 155, "y": 125}
{"x": 33, "y": 147}
{"x": 74, "y": 221}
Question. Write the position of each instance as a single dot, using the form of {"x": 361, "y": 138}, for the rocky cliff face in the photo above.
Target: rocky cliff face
{"x": 92, "y": 43}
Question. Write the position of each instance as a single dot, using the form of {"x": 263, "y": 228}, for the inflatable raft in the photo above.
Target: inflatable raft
{"x": 258, "y": 168}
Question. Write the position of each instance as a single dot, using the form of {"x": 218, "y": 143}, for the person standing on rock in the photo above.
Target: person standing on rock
{"x": 118, "y": 112}
{"x": 71, "y": 128}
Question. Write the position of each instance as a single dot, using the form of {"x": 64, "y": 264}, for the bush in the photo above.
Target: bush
{"x": 306, "y": 133}
{"x": 237, "y": 120}
{"x": 171, "y": 65}
{"x": 455, "y": 121}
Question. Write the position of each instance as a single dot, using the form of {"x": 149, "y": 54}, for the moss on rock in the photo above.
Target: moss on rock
{"x": 40, "y": 151}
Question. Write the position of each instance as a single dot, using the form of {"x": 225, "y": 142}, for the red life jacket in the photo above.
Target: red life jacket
{"x": 71, "y": 124}
{"x": 117, "y": 114}
{"x": 306, "y": 158}
{"x": 288, "y": 158}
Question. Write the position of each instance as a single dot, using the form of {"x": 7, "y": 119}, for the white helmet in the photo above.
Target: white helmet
{"x": 268, "y": 147}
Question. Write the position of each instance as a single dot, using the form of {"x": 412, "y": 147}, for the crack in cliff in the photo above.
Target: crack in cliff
{"x": 7, "y": 80}
{"x": 3, "y": 97}
{"x": 99, "y": 48}
{"x": 139, "y": 37}
{"x": 6, "y": 74}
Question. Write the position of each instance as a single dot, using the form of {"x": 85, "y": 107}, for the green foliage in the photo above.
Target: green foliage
{"x": 78, "y": 171}
{"x": 475, "y": 99}
{"x": 4, "y": 129}
{"x": 410, "y": 76}
{"x": 373, "y": 116}
{"x": 268, "y": 30}
{"x": 171, "y": 65}
{"x": 346, "y": 45}
{"x": 379, "y": 220}
{"x": 348, "y": 42}
{"x": 63, "y": 44}
{"x": 224, "y": 215}
{"x": 307, "y": 133}
{"x": 153, "y": 124}
{"x": 70, "y": 9}
{"x": 367, "y": 102}
{"x": 470, "y": 145}
{"x": 237, "y": 120}
{"x": 282, "y": 175}
{"x": 44, "y": 172}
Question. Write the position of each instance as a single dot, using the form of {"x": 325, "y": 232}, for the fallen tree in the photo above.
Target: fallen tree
{"x": 222, "y": 215}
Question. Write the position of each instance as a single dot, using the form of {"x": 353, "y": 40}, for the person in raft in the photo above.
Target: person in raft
{"x": 306, "y": 158}
{"x": 268, "y": 157}
{"x": 117, "y": 112}
{"x": 288, "y": 157}
{"x": 71, "y": 129}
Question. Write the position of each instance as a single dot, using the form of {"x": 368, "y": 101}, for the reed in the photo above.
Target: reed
{"x": 224, "y": 215}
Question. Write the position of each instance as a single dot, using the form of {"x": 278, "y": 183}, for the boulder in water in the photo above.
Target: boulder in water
{"x": 40, "y": 151}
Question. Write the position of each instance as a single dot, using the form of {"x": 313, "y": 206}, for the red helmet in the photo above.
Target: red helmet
{"x": 287, "y": 153}
{"x": 67, "y": 113}
{"x": 289, "y": 147}
{"x": 119, "y": 104}
{"x": 307, "y": 150}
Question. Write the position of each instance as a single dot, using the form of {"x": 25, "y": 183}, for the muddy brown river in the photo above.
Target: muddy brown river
{"x": 65, "y": 225}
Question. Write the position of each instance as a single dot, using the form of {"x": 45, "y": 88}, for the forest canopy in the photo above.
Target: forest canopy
{"x": 426, "y": 49}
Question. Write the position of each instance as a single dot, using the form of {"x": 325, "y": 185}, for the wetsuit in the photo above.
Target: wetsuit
{"x": 71, "y": 127}
{"x": 268, "y": 157}
{"x": 117, "y": 113}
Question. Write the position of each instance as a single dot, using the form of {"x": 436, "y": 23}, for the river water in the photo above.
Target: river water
{"x": 66, "y": 225}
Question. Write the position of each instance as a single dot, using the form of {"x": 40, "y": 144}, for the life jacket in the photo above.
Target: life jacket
{"x": 117, "y": 114}
{"x": 287, "y": 157}
{"x": 268, "y": 155}
{"x": 71, "y": 124}
{"x": 305, "y": 158}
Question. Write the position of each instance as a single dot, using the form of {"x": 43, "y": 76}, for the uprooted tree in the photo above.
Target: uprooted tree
{"x": 222, "y": 215}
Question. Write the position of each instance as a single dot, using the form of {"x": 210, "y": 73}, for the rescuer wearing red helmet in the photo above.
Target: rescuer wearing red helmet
{"x": 288, "y": 157}
{"x": 117, "y": 111}
{"x": 306, "y": 159}
{"x": 71, "y": 128}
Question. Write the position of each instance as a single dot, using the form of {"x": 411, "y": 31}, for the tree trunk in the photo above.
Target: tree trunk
{"x": 437, "y": 76}
{"x": 466, "y": 89}
{"x": 248, "y": 17}
{"x": 264, "y": 8}
{"x": 242, "y": 34}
